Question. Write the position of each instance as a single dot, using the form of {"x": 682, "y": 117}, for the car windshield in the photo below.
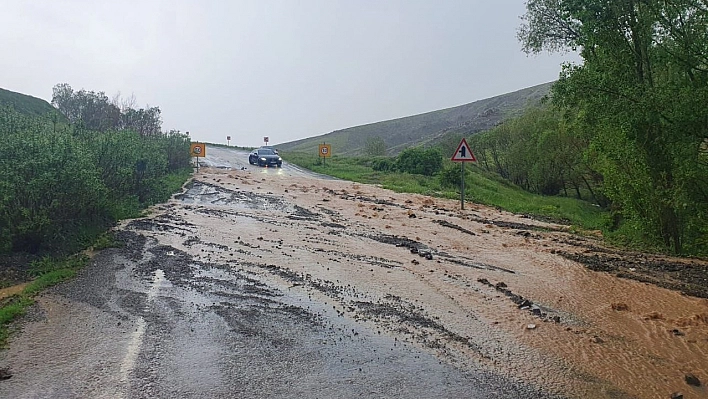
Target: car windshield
{"x": 265, "y": 151}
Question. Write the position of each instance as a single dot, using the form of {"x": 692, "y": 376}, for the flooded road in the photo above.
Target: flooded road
{"x": 272, "y": 282}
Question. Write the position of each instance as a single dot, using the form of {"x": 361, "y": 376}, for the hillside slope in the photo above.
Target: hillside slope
{"x": 25, "y": 104}
{"x": 425, "y": 128}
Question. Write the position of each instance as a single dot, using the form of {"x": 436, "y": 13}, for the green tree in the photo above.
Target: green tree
{"x": 642, "y": 86}
{"x": 94, "y": 111}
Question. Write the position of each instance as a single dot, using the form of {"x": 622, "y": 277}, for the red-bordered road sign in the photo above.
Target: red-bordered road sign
{"x": 197, "y": 149}
{"x": 463, "y": 153}
{"x": 325, "y": 150}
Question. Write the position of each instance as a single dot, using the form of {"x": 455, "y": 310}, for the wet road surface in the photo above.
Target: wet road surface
{"x": 271, "y": 282}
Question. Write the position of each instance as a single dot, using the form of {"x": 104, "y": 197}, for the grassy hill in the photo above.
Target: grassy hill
{"x": 25, "y": 104}
{"x": 425, "y": 128}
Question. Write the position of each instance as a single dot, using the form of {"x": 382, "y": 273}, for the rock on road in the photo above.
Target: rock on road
{"x": 276, "y": 283}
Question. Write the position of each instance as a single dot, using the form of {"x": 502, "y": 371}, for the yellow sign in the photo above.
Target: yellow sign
{"x": 325, "y": 150}
{"x": 197, "y": 149}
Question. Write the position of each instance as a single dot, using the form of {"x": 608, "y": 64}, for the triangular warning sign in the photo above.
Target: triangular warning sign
{"x": 463, "y": 153}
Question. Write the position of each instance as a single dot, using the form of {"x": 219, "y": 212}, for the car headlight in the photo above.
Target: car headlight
{"x": 280, "y": 159}
{"x": 263, "y": 159}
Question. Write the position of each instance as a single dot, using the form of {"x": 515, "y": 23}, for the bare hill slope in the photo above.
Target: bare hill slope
{"x": 425, "y": 128}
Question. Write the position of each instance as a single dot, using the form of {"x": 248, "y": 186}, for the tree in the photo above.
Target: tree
{"x": 94, "y": 111}
{"x": 643, "y": 85}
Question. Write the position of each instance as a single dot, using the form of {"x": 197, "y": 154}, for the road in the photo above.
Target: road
{"x": 234, "y": 159}
{"x": 274, "y": 282}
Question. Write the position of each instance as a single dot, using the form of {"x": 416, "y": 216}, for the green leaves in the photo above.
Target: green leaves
{"x": 642, "y": 87}
{"x": 56, "y": 185}
{"x": 417, "y": 160}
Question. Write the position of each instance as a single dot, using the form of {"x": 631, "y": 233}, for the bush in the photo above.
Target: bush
{"x": 383, "y": 164}
{"x": 58, "y": 187}
{"x": 417, "y": 160}
{"x": 450, "y": 175}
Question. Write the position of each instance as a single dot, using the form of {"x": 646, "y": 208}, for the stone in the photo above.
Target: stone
{"x": 692, "y": 380}
{"x": 5, "y": 373}
{"x": 620, "y": 307}
{"x": 525, "y": 304}
{"x": 530, "y": 326}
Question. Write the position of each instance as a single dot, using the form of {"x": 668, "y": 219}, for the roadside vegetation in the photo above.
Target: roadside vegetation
{"x": 633, "y": 115}
{"x": 68, "y": 176}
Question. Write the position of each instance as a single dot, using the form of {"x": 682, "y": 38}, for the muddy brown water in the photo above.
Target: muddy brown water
{"x": 457, "y": 288}
{"x": 13, "y": 290}
{"x": 600, "y": 335}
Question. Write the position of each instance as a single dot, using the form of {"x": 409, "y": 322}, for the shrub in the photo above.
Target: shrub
{"x": 450, "y": 175}
{"x": 383, "y": 164}
{"x": 417, "y": 160}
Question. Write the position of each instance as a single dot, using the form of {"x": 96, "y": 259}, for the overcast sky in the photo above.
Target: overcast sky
{"x": 283, "y": 69}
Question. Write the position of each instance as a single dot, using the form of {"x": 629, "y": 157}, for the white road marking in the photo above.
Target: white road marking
{"x": 136, "y": 339}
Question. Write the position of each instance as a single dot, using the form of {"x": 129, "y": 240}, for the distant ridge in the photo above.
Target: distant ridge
{"x": 25, "y": 104}
{"x": 426, "y": 128}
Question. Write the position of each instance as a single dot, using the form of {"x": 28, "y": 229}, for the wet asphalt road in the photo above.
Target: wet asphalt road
{"x": 151, "y": 321}
{"x": 226, "y": 158}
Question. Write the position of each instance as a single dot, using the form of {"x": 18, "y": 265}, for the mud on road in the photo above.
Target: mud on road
{"x": 255, "y": 285}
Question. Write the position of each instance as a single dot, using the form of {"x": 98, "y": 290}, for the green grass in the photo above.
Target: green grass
{"x": 480, "y": 187}
{"x": 16, "y": 307}
{"x": 13, "y": 308}
{"x": 168, "y": 185}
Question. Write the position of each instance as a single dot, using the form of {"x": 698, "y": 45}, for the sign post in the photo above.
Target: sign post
{"x": 265, "y": 140}
{"x": 228, "y": 139}
{"x": 197, "y": 150}
{"x": 463, "y": 154}
{"x": 325, "y": 151}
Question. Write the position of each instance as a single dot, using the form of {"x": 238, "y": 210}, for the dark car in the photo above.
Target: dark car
{"x": 270, "y": 147}
{"x": 265, "y": 157}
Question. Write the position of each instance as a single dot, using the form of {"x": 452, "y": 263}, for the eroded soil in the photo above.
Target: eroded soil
{"x": 521, "y": 301}
{"x": 466, "y": 285}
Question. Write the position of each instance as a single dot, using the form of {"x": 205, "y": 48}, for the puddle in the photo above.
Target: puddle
{"x": 203, "y": 193}
{"x": 10, "y": 291}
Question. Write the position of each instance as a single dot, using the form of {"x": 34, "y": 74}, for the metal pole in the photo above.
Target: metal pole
{"x": 462, "y": 192}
